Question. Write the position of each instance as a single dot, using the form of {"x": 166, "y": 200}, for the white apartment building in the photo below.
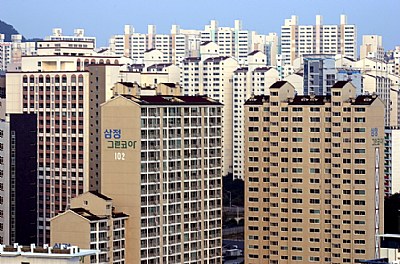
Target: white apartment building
{"x": 372, "y": 47}
{"x": 212, "y": 75}
{"x": 183, "y": 43}
{"x": 297, "y": 40}
{"x": 11, "y": 52}
{"x": 253, "y": 79}
{"x": 5, "y": 53}
{"x": 238, "y": 43}
{"x": 376, "y": 79}
{"x": 175, "y": 46}
{"x": 79, "y": 35}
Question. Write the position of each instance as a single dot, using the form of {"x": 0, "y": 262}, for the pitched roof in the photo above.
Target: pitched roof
{"x": 257, "y": 100}
{"x": 310, "y": 100}
{"x": 102, "y": 196}
{"x": 340, "y": 84}
{"x": 253, "y": 52}
{"x": 278, "y": 84}
{"x": 216, "y": 59}
{"x": 364, "y": 99}
{"x": 171, "y": 100}
{"x": 87, "y": 214}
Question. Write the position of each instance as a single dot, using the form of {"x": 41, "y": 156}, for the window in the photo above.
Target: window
{"x": 359, "y": 140}
{"x": 359, "y": 129}
{"x": 297, "y": 150}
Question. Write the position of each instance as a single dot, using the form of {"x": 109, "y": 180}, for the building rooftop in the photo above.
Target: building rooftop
{"x": 205, "y": 43}
{"x": 189, "y": 59}
{"x": 257, "y": 100}
{"x": 216, "y": 59}
{"x": 241, "y": 69}
{"x": 262, "y": 69}
{"x": 253, "y": 52}
{"x": 340, "y": 84}
{"x": 87, "y": 214}
{"x": 310, "y": 100}
{"x": 278, "y": 84}
{"x": 170, "y": 85}
{"x": 127, "y": 84}
{"x": 172, "y": 100}
{"x": 159, "y": 66}
{"x": 119, "y": 215}
{"x": 102, "y": 196}
{"x": 62, "y": 251}
{"x": 364, "y": 99}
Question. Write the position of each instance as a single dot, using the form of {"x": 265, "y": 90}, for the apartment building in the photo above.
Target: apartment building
{"x": 376, "y": 79}
{"x": 372, "y": 47}
{"x": 175, "y": 46}
{"x": 11, "y": 52}
{"x": 63, "y": 92}
{"x": 253, "y": 79}
{"x": 161, "y": 161}
{"x": 92, "y": 222}
{"x": 314, "y": 176}
{"x": 297, "y": 40}
{"x": 79, "y": 35}
{"x": 212, "y": 75}
{"x": 59, "y": 254}
{"x": 4, "y": 172}
{"x": 5, "y": 53}
{"x": 182, "y": 43}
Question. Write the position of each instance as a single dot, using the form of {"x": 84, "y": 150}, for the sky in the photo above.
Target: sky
{"x": 104, "y": 18}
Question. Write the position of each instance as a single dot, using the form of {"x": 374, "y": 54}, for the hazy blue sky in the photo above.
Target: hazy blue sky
{"x": 103, "y": 18}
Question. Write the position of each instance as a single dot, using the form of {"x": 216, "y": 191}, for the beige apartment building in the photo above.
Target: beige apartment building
{"x": 64, "y": 86}
{"x": 92, "y": 222}
{"x": 313, "y": 176}
{"x": 61, "y": 86}
{"x": 161, "y": 162}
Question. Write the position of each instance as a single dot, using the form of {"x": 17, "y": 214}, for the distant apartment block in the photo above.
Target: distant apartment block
{"x": 161, "y": 162}
{"x": 297, "y": 40}
{"x": 372, "y": 47}
{"x": 182, "y": 43}
{"x": 212, "y": 75}
{"x": 314, "y": 175}
{"x": 79, "y": 35}
{"x": 11, "y": 52}
{"x": 5, "y": 53}
{"x": 253, "y": 79}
